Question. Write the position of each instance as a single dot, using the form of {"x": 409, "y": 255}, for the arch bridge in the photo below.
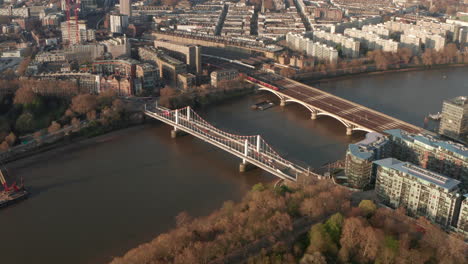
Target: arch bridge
{"x": 352, "y": 115}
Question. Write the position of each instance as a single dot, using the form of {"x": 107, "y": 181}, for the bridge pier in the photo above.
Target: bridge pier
{"x": 313, "y": 116}
{"x": 283, "y": 102}
{"x": 177, "y": 133}
{"x": 245, "y": 166}
{"x": 349, "y": 131}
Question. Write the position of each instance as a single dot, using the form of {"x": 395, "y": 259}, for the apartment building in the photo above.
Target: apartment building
{"x": 429, "y": 152}
{"x": 349, "y": 46}
{"x": 122, "y": 67}
{"x": 126, "y": 7}
{"x": 452, "y": 29}
{"x": 372, "y": 41}
{"x": 218, "y": 77}
{"x": 462, "y": 225}
{"x": 355, "y": 22}
{"x": 117, "y": 47}
{"x": 276, "y": 25}
{"x": 118, "y": 23}
{"x": 411, "y": 42}
{"x": 169, "y": 67}
{"x": 315, "y": 49}
{"x": 191, "y": 54}
{"x": 454, "y": 121}
{"x": 75, "y": 32}
{"x": 430, "y": 40}
{"x": 420, "y": 191}
{"x": 238, "y": 19}
{"x": 359, "y": 167}
{"x": 379, "y": 30}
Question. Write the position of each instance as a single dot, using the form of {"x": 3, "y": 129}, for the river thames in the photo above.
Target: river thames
{"x": 101, "y": 197}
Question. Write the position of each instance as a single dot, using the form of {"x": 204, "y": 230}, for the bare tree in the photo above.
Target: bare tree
{"x": 54, "y": 127}
{"x": 84, "y": 103}
{"x": 24, "y": 95}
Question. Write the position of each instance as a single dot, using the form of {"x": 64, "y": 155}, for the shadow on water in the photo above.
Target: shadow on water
{"x": 35, "y": 191}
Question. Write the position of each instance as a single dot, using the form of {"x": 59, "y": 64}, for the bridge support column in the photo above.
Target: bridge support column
{"x": 283, "y": 102}
{"x": 313, "y": 116}
{"x": 245, "y": 166}
{"x": 349, "y": 131}
{"x": 177, "y": 133}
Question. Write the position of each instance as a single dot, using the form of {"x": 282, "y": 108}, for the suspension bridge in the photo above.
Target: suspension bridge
{"x": 253, "y": 150}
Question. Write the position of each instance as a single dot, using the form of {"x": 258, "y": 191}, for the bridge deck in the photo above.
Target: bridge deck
{"x": 252, "y": 149}
{"x": 347, "y": 110}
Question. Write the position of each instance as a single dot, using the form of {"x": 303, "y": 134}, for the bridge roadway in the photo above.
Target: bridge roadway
{"x": 251, "y": 149}
{"x": 352, "y": 115}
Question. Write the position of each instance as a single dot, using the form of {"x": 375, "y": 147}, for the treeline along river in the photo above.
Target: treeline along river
{"x": 98, "y": 198}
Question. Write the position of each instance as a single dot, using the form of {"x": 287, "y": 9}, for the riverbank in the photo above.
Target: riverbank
{"x": 97, "y": 129}
{"x": 377, "y": 72}
{"x": 204, "y": 98}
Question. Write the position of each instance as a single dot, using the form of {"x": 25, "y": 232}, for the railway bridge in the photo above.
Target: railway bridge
{"x": 320, "y": 103}
{"x": 352, "y": 115}
{"x": 253, "y": 150}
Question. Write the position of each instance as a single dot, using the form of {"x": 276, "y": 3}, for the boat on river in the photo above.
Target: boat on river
{"x": 437, "y": 116}
{"x": 263, "y": 105}
{"x": 13, "y": 193}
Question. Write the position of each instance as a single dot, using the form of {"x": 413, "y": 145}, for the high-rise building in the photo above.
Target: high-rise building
{"x": 126, "y": 7}
{"x": 454, "y": 122}
{"x": 420, "y": 191}
{"x": 75, "y": 34}
{"x": 359, "y": 168}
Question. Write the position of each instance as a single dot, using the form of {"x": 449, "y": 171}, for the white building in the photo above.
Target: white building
{"x": 420, "y": 191}
{"x": 118, "y": 23}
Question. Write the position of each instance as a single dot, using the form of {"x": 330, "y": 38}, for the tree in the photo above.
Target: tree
{"x": 105, "y": 98}
{"x": 321, "y": 241}
{"x": 428, "y": 57}
{"x": 368, "y": 207}
{"x": 258, "y": 187}
{"x": 23, "y": 66}
{"x": 25, "y": 123}
{"x": 333, "y": 227}
{"x": 405, "y": 55}
{"x": 167, "y": 91}
{"x": 91, "y": 115}
{"x": 25, "y": 96}
{"x": 4, "y": 146}
{"x": 84, "y": 103}
{"x": 75, "y": 122}
{"x": 11, "y": 139}
{"x": 314, "y": 258}
{"x": 183, "y": 218}
{"x": 54, "y": 127}
{"x": 118, "y": 105}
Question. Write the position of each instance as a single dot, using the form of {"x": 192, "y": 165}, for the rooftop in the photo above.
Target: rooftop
{"x": 459, "y": 100}
{"x": 431, "y": 141}
{"x": 365, "y": 148}
{"x": 421, "y": 174}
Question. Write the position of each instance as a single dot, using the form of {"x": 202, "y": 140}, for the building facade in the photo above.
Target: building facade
{"x": 118, "y": 23}
{"x": 420, "y": 191}
{"x": 359, "y": 168}
{"x": 454, "y": 121}
{"x": 462, "y": 225}
{"x": 126, "y": 7}
{"x": 429, "y": 152}
{"x": 217, "y": 77}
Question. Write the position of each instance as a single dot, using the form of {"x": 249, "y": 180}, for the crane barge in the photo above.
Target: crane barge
{"x": 11, "y": 193}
